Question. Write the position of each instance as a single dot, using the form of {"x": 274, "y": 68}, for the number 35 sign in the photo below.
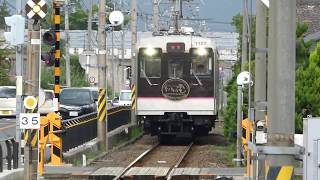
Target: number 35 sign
{"x": 29, "y": 121}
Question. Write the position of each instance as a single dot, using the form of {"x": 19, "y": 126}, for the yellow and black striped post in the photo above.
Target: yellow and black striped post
{"x": 133, "y": 98}
{"x": 102, "y": 120}
{"x": 55, "y": 138}
{"x": 57, "y": 70}
{"x": 280, "y": 173}
{"x": 102, "y": 105}
{"x": 43, "y": 139}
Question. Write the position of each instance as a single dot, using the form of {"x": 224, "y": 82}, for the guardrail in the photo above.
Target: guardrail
{"x": 82, "y": 129}
{"x": 12, "y": 154}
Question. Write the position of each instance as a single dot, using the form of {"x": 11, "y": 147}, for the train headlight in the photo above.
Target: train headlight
{"x": 150, "y": 51}
{"x": 202, "y": 52}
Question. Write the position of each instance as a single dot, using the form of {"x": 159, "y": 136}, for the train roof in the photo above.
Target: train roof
{"x": 188, "y": 40}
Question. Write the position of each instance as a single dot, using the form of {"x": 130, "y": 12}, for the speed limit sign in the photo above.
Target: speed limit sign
{"x": 30, "y": 121}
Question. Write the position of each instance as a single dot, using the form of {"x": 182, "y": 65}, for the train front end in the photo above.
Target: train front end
{"x": 177, "y": 86}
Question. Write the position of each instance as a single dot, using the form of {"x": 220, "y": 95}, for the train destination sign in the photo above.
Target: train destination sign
{"x": 175, "y": 89}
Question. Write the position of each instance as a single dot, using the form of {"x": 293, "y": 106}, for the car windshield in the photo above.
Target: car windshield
{"x": 7, "y": 93}
{"x": 49, "y": 96}
{"x": 76, "y": 97}
{"x": 125, "y": 96}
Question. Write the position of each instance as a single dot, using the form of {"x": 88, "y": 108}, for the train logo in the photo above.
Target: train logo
{"x": 175, "y": 89}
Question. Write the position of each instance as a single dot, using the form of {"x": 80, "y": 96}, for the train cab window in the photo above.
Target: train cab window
{"x": 201, "y": 62}
{"x": 175, "y": 69}
{"x": 150, "y": 63}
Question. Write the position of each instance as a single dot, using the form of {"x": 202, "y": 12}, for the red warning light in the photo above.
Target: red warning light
{"x": 175, "y": 47}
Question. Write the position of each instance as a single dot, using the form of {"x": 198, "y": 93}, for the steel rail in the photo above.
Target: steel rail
{"x": 144, "y": 154}
{"x": 181, "y": 158}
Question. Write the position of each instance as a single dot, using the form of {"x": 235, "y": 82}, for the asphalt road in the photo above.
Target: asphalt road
{"x": 7, "y": 128}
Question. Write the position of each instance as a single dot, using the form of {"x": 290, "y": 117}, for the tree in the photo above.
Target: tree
{"x": 78, "y": 76}
{"x": 307, "y": 79}
{"x": 307, "y": 89}
{"x": 4, "y": 69}
{"x": 237, "y": 22}
{"x": 307, "y": 82}
{"x": 4, "y": 12}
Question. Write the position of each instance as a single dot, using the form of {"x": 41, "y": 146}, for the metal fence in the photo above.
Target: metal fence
{"x": 10, "y": 154}
{"x": 82, "y": 129}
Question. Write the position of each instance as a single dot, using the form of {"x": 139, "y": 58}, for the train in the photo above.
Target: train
{"x": 177, "y": 85}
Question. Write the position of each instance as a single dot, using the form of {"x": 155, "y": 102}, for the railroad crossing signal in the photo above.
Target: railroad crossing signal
{"x": 30, "y": 102}
{"x": 36, "y": 9}
{"x": 16, "y": 34}
{"x": 49, "y": 38}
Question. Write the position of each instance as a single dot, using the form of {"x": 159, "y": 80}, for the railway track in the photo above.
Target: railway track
{"x": 157, "y": 155}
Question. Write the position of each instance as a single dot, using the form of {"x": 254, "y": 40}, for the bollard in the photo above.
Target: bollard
{"x": 1, "y": 159}
{"x": 9, "y": 154}
{"x": 15, "y": 154}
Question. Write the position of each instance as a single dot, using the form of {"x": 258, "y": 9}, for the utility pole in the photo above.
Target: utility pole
{"x": 176, "y": 13}
{"x": 122, "y": 51}
{"x": 112, "y": 63}
{"x": 122, "y": 58}
{"x": 239, "y": 122}
{"x": 19, "y": 78}
{"x": 155, "y": 16}
{"x": 244, "y": 53}
{"x": 281, "y": 79}
{"x": 66, "y": 19}
{"x": 102, "y": 61}
{"x": 88, "y": 47}
{"x": 260, "y": 88}
{"x": 31, "y": 151}
{"x": 133, "y": 50}
{"x": 260, "y": 92}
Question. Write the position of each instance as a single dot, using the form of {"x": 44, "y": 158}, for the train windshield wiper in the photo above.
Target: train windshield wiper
{"x": 197, "y": 78}
{"x": 147, "y": 78}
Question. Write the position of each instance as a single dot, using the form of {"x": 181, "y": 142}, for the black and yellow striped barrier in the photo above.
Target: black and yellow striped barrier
{"x": 133, "y": 97}
{"x": 280, "y": 173}
{"x": 57, "y": 70}
{"x": 102, "y": 105}
{"x": 55, "y": 138}
{"x": 43, "y": 139}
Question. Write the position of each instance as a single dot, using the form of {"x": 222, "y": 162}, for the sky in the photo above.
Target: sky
{"x": 215, "y": 10}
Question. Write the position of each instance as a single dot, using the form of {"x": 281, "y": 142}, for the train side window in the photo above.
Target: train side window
{"x": 150, "y": 65}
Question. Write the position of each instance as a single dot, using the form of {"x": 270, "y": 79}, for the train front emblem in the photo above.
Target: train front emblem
{"x": 175, "y": 89}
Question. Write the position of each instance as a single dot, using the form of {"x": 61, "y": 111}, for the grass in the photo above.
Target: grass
{"x": 134, "y": 133}
{"x": 227, "y": 152}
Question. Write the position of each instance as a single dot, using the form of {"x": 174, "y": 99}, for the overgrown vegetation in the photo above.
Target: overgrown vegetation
{"x": 307, "y": 82}
{"x": 4, "y": 68}
{"x": 4, "y": 12}
{"x": 78, "y": 76}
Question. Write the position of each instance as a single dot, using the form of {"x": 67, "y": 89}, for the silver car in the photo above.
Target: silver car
{"x": 7, "y": 101}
